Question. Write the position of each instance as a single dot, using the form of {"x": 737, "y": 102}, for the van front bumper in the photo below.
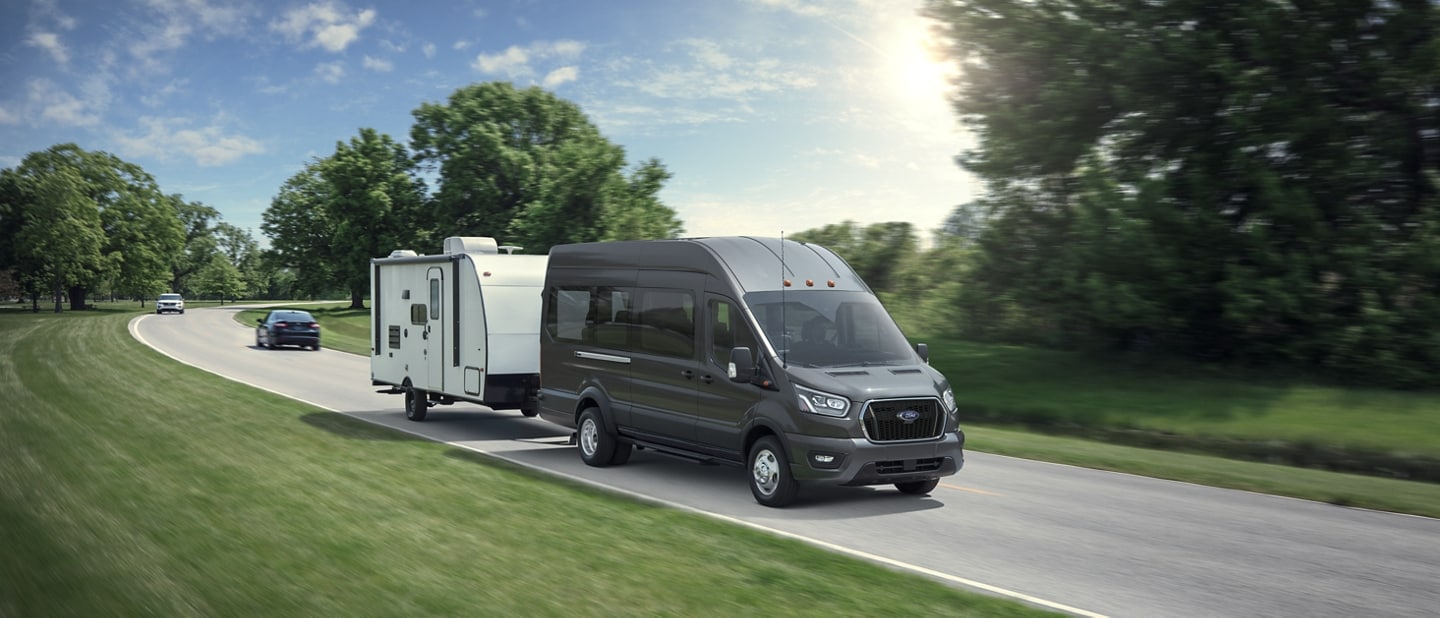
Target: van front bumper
{"x": 857, "y": 461}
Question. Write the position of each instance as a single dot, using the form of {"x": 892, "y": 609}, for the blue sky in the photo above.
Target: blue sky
{"x": 773, "y": 115}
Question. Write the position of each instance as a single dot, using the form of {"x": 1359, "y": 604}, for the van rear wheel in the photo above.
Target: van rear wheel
{"x": 917, "y": 488}
{"x": 597, "y": 444}
{"x": 770, "y": 479}
{"x": 415, "y": 404}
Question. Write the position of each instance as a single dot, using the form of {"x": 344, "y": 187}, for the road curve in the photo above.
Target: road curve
{"x": 1076, "y": 540}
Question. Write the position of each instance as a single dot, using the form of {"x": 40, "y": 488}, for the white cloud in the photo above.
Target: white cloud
{"x": 428, "y": 49}
{"x": 49, "y": 42}
{"x": 8, "y": 117}
{"x": 157, "y": 97}
{"x": 460, "y": 45}
{"x": 560, "y": 76}
{"x": 330, "y": 72}
{"x": 50, "y": 9}
{"x": 705, "y": 71}
{"x": 176, "y": 21}
{"x": 52, "y": 104}
{"x": 329, "y": 25}
{"x": 512, "y": 62}
{"x": 515, "y": 60}
{"x": 164, "y": 139}
{"x": 378, "y": 65}
{"x": 798, "y": 7}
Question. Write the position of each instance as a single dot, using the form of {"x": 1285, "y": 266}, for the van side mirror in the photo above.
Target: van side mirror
{"x": 924, "y": 352}
{"x": 260, "y": 321}
{"x": 742, "y": 365}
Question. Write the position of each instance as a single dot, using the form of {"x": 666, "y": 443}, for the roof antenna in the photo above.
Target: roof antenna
{"x": 784, "y": 326}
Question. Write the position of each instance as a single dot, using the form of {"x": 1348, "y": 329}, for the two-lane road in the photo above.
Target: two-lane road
{"x": 1079, "y": 540}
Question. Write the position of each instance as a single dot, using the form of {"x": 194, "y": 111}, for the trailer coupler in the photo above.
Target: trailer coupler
{"x": 393, "y": 390}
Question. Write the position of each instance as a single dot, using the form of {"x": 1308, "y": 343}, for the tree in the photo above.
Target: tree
{"x": 143, "y": 234}
{"x": 529, "y": 168}
{"x": 199, "y": 245}
{"x": 330, "y": 219}
{"x": 221, "y": 279}
{"x": 300, "y": 232}
{"x": 373, "y": 192}
{"x": 62, "y": 235}
{"x": 1236, "y": 180}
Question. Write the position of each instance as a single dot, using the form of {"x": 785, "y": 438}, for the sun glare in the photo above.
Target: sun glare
{"x": 914, "y": 73}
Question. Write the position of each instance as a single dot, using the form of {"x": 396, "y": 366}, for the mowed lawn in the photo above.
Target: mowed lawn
{"x": 131, "y": 485}
{"x": 995, "y": 383}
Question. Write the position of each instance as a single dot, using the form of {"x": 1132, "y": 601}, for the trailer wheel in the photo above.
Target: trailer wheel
{"x": 597, "y": 444}
{"x": 917, "y": 488}
{"x": 415, "y": 404}
{"x": 770, "y": 479}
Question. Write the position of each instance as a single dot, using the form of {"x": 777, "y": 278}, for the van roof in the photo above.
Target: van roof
{"x": 755, "y": 262}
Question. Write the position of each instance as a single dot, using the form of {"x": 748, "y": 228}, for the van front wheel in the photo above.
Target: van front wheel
{"x": 917, "y": 488}
{"x": 597, "y": 444}
{"x": 770, "y": 479}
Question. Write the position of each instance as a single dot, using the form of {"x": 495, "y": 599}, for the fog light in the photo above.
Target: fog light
{"x": 825, "y": 461}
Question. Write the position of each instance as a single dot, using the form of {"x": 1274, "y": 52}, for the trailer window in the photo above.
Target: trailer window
{"x": 434, "y": 299}
{"x": 417, "y": 314}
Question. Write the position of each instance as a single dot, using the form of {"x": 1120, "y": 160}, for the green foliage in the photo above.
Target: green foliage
{"x": 529, "y": 168}
{"x": 1248, "y": 181}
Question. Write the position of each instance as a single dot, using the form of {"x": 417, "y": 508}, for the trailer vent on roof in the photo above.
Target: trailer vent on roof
{"x": 402, "y": 253}
{"x": 470, "y": 244}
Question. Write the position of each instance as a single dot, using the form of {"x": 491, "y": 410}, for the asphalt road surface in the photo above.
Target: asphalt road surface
{"x": 1072, "y": 539}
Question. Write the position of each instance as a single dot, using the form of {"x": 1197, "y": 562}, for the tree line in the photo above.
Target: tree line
{"x": 1245, "y": 182}
{"x": 520, "y": 165}
{"x": 75, "y": 223}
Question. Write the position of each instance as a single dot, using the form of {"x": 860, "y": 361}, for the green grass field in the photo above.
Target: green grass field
{"x": 130, "y": 485}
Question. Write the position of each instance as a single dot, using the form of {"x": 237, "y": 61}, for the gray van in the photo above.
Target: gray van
{"x": 760, "y": 352}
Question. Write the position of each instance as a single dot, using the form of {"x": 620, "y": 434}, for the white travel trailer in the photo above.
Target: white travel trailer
{"x": 460, "y": 326}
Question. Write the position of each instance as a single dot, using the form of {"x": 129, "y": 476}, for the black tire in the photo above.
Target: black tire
{"x": 918, "y": 488}
{"x": 597, "y": 444}
{"x": 622, "y": 453}
{"x": 770, "y": 479}
{"x": 415, "y": 404}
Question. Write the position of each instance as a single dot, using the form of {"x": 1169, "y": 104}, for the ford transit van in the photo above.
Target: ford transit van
{"x": 759, "y": 352}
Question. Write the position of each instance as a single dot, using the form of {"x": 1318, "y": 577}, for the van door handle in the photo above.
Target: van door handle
{"x": 707, "y": 378}
{"x": 688, "y": 374}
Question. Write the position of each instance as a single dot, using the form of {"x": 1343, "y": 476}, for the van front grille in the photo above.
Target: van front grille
{"x": 903, "y": 420}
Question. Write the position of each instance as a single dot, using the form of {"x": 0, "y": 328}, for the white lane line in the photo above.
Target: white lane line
{"x": 905, "y": 566}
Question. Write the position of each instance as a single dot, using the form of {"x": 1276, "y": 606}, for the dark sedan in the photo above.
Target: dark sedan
{"x": 288, "y": 327}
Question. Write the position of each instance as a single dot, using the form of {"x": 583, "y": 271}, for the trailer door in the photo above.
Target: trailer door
{"x": 435, "y": 330}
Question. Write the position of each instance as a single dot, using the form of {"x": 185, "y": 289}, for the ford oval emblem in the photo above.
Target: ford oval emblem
{"x": 909, "y": 416}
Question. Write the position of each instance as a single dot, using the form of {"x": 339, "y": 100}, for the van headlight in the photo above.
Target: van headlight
{"x": 949, "y": 398}
{"x": 824, "y": 404}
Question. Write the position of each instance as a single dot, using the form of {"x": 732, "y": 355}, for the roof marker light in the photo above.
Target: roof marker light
{"x": 809, "y": 283}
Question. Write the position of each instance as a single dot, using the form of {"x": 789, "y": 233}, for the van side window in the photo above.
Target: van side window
{"x": 593, "y": 315}
{"x": 728, "y": 331}
{"x": 667, "y": 322}
{"x": 565, "y": 320}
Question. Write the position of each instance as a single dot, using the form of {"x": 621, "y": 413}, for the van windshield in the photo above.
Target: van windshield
{"x": 830, "y": 328}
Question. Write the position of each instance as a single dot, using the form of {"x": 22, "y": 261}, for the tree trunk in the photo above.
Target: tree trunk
{"x": 59, "y": 296}
{"x": 357, "y": 299}
{"x": 35, "y": 302}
